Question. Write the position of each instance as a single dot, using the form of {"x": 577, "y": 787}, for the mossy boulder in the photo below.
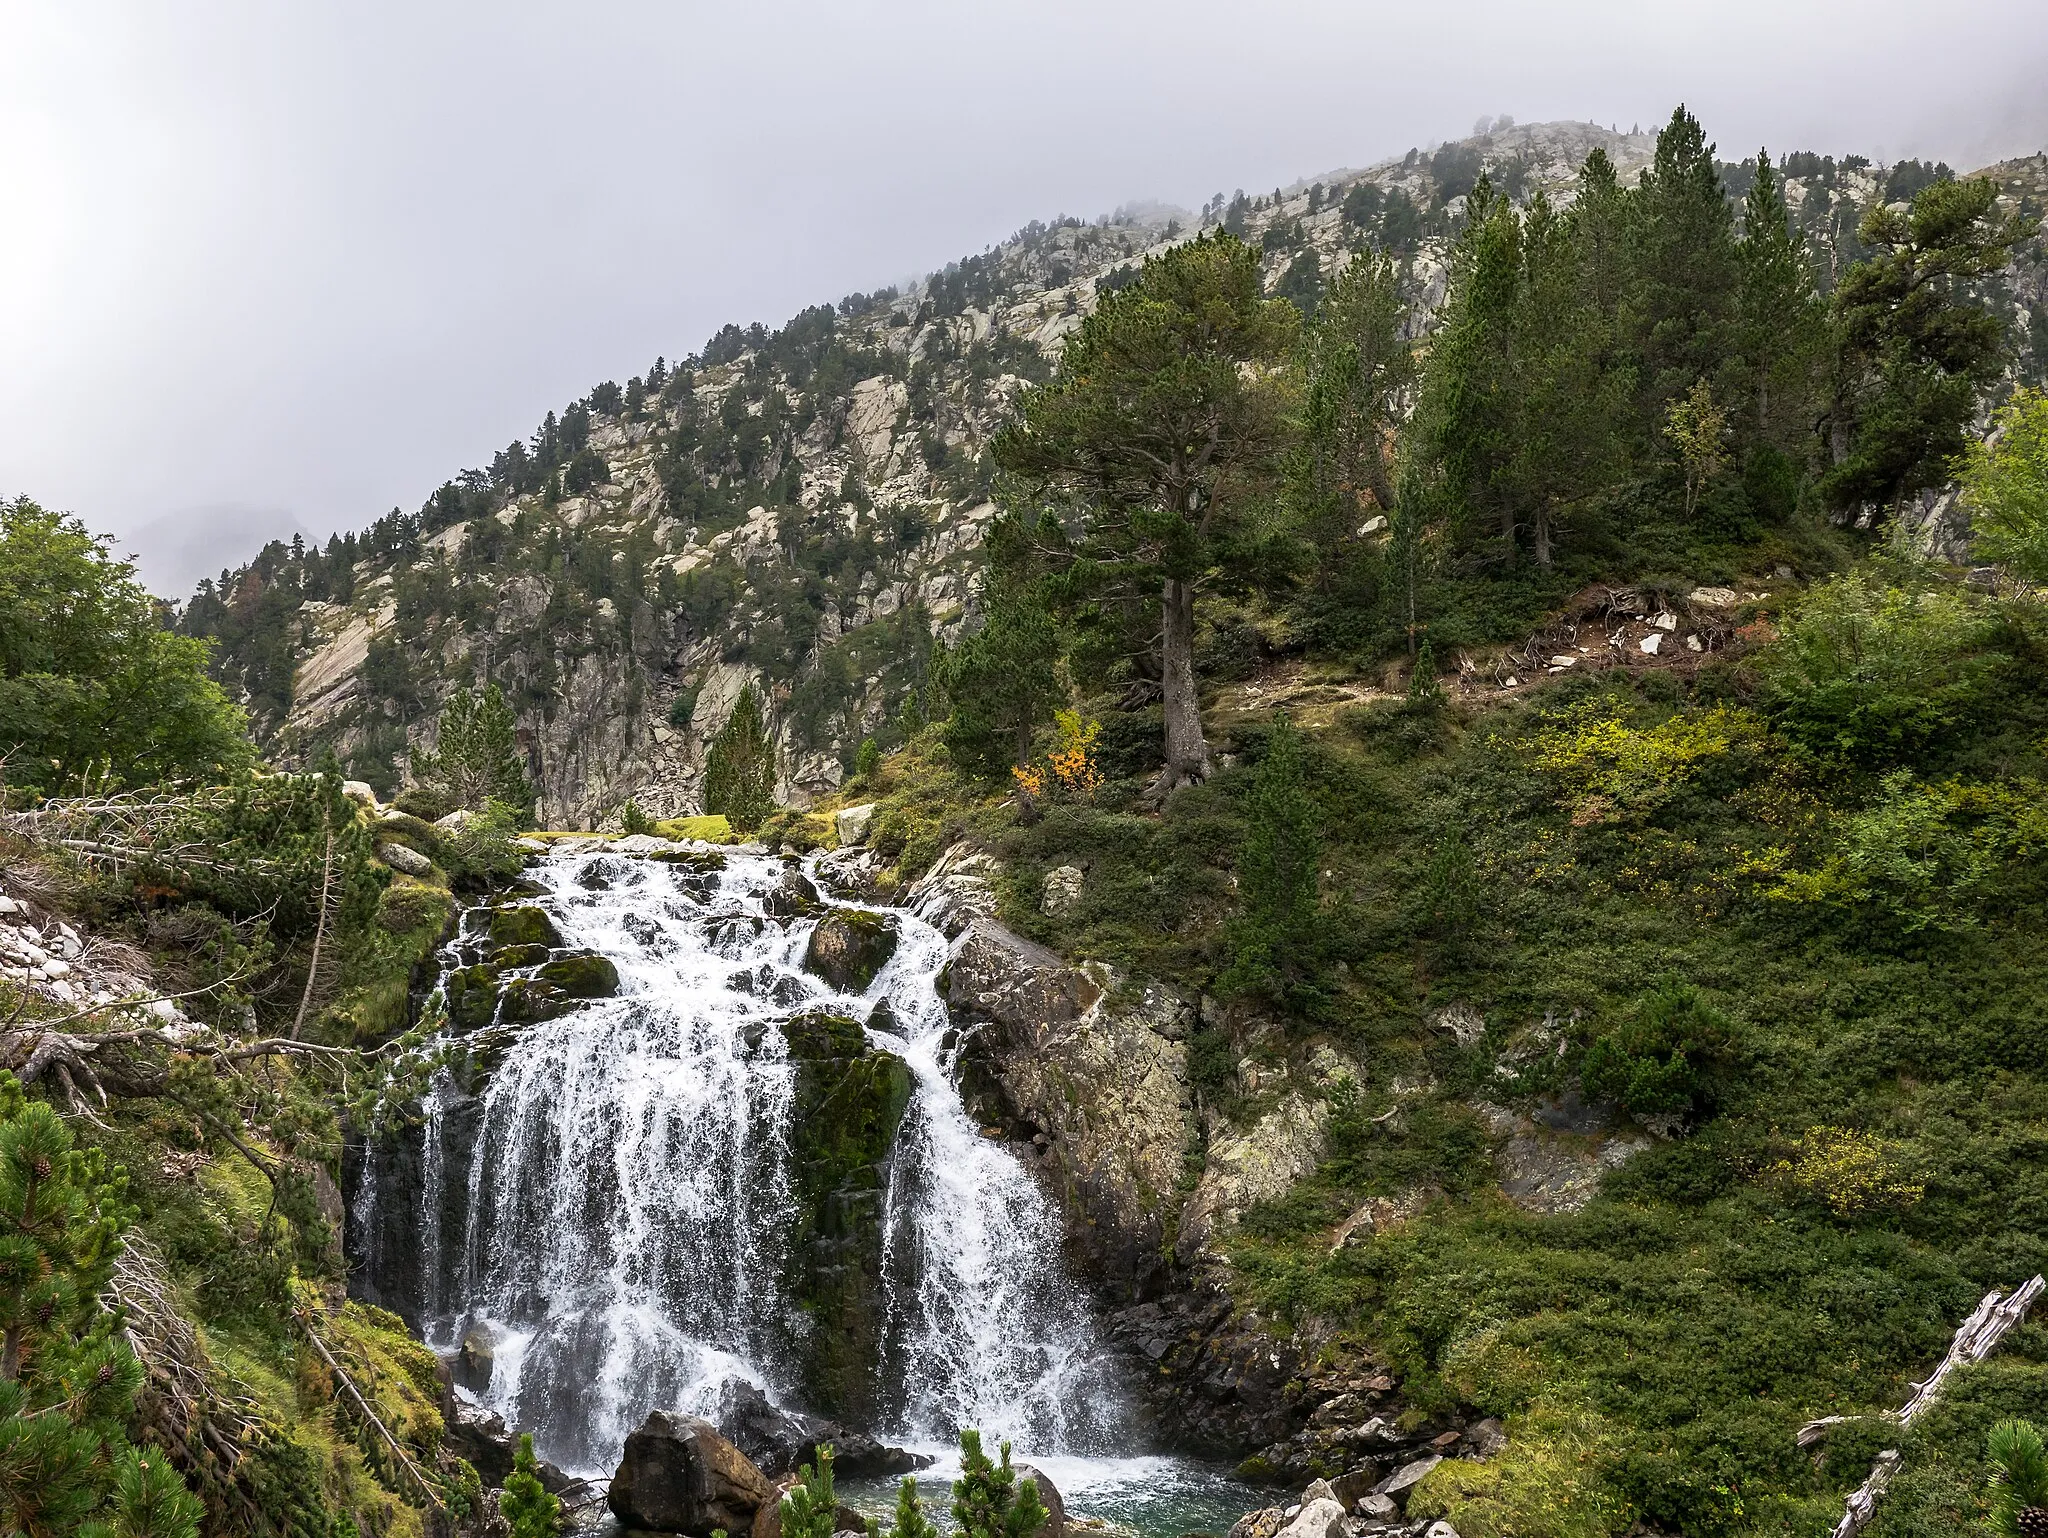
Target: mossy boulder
{"x": 523, "y": 926}
{"x": 406, "y": 906}
{"x": 528, "y": 999}
{"x": 583, "y": 976}
{"x": 704, "y": 861}
{"x": 849, "y": 946}
{"x": 509, "y": 957}
{"x": 848, "y": 1105}
{"x": 472, "y": 995}
{"x": 794, "y": 897}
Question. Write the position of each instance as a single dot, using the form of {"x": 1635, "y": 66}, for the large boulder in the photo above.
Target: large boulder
{"x": 768, "y": 1517}
{"x": 1055, "y": 1523}
{"x": 678, "y": 1475}
{"x": 849, "y": 947}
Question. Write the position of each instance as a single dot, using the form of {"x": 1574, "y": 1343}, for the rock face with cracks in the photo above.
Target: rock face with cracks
{"x": 679, "y": 1475}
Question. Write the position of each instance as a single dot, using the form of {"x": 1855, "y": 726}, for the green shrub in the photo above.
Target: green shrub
{"x": 1661, "y": 1059}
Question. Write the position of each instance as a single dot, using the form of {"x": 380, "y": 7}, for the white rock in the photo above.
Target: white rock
{"x": 456, "y": 819}
{"x": 1319, "y": 1518}
{"x": 1372, "y": 525}
{"x": 408, "y": 862}
{"x": 1512, "y": 683}
{"x": 56, "y": 967}
{"x": 1666, "y": 621}
{"x": 1379, "y": 1506}
{"x": 359, "y": 790}
{"x": 8, "y": 904}
{"x": 1440, "y": 1529}
{"x": 1562, "y": 661}
{"x": 1651, "y": 642}
{"x": 852, "y": 824}
{"x": 1408, "y": 1476}
{"x": 1062, "y": 890}
{"x": 1715, "y": 597}
{"x": 1692, "y": 643}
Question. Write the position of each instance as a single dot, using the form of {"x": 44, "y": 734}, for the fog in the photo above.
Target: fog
{"x": 271, "y": 268}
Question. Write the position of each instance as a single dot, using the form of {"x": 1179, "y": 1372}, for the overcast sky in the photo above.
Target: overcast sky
{"x": 292, "y": 263}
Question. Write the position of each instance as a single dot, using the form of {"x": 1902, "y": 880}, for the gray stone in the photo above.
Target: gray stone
{"x": 853, "y": 823}
{"x": 1319, "y": 1518}
{"x": 1397, "y": 1485}
{"x": 1378, "y": 1506}
{"x": 1061, "y": 891}
{"x": 404, "y": 860}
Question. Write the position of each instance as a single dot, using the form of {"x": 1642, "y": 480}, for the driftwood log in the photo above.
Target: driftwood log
{"x": 1975, "y": 1340}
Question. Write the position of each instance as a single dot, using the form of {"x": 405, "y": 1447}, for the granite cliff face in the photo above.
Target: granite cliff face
{"x": 804, "y": 509}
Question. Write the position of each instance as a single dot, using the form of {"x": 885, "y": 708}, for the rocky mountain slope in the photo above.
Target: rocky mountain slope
{"x": 803, "y": 508}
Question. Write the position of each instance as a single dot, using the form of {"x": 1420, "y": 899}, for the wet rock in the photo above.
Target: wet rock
{"x": 780, "y": 1441}
{"x": 847, "y": 1103}
{"x": 957, "y": 890}
{"x": 849, "y": 946}
{"x": 583, "y": 977}
{"x": 471, "y": 994}
{"x": 1487, "y": 1437}
{"x": 508, "y": 957}
{"x": 679, "y": 1475}
{"x": 475, "y": 1358}
{"x": 795, "y": 897}
{"x": 523, "y": 926}
{"x": 850, "y": 873}
{"x": 1055, "y": 1523}
{"x": 490, "y": 1446}
{"x": 528, "y": 1000}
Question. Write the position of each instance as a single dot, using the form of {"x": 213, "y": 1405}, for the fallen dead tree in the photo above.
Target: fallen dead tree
{"x": 1977, "y": 1338}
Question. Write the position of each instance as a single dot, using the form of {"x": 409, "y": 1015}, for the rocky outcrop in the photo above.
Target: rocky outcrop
{"x": 849, "y": 1099}
{"x": 1099, "y": 1076}
{"x": 679, "y": 1475}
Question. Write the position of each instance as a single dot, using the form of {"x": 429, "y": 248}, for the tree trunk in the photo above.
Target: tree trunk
{"x": 1187, "y": 751}
{"x": 1543, "y": 536}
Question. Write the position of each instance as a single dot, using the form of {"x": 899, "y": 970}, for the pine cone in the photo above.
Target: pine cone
{"x": 2033, "y": 1521}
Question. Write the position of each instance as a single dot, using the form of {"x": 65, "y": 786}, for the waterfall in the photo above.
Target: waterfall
{"x": 612, "y": 1212}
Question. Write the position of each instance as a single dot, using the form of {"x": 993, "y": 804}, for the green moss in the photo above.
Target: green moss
{"x": 472, "y": 996}
{"x": 849, "y": 947}
{"x": 707, "y": 830}
{"x": 528, "y": 1000}
{"x": 511, "y": 957}
{"x": 849, "y": 1101}
{"x": 523, "y": 926}
{"x": 407, "y": 905}
{"x": 582, "y": 977}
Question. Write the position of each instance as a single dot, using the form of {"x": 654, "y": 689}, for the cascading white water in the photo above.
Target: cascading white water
{"x": 628, "y": 1200}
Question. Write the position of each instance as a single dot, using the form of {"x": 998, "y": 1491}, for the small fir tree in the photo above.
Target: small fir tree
{"x": 810, "y": 1509}
{"x": 1275, "y": 936}
{"x": 739, "y": 771}
{"x": 476, "y": 756}
{"x": 989, "y": 1500}
{"x": 528, "y": 1509}
{"x": 67, "y": 1382}
{"x": 910, "y": 1520}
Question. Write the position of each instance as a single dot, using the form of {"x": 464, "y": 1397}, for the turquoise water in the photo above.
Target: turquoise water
{"x": 1152, "y": 1497}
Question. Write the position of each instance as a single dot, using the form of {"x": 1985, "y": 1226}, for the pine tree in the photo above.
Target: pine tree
{"x": 528, "y": 1509}
{"x": 476, "y": 757}
{"x": 1276, "y": 936}
{"x": 1000, "y": 681}
{"x": 1360, "y": 369}
{"x": 2019, "y": 1480}
{"x": 739, "y": 769}
{"x": 910, "y": 1520}
{"x": 67, "y": 1382}
{"x": 810, "y": 1509}
{"x": 1683, "y": 258}
{"x": 1782, "y": 324}
{"x": 1165, "y": 424}
{"x": 989, "y": 1501}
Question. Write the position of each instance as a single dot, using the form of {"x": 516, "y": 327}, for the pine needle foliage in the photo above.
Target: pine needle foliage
{"x": 989, "y": 1500}
{"x": 528, "y": 1509}
{"x": 67, "y": 1381}
{"x": 739, "y": 771}
{"x": 476, "y": 756}
{"x": 810, "y": 1508}
{"x": 2019, "y": 1479}
{"x": 910, "y": 1520}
